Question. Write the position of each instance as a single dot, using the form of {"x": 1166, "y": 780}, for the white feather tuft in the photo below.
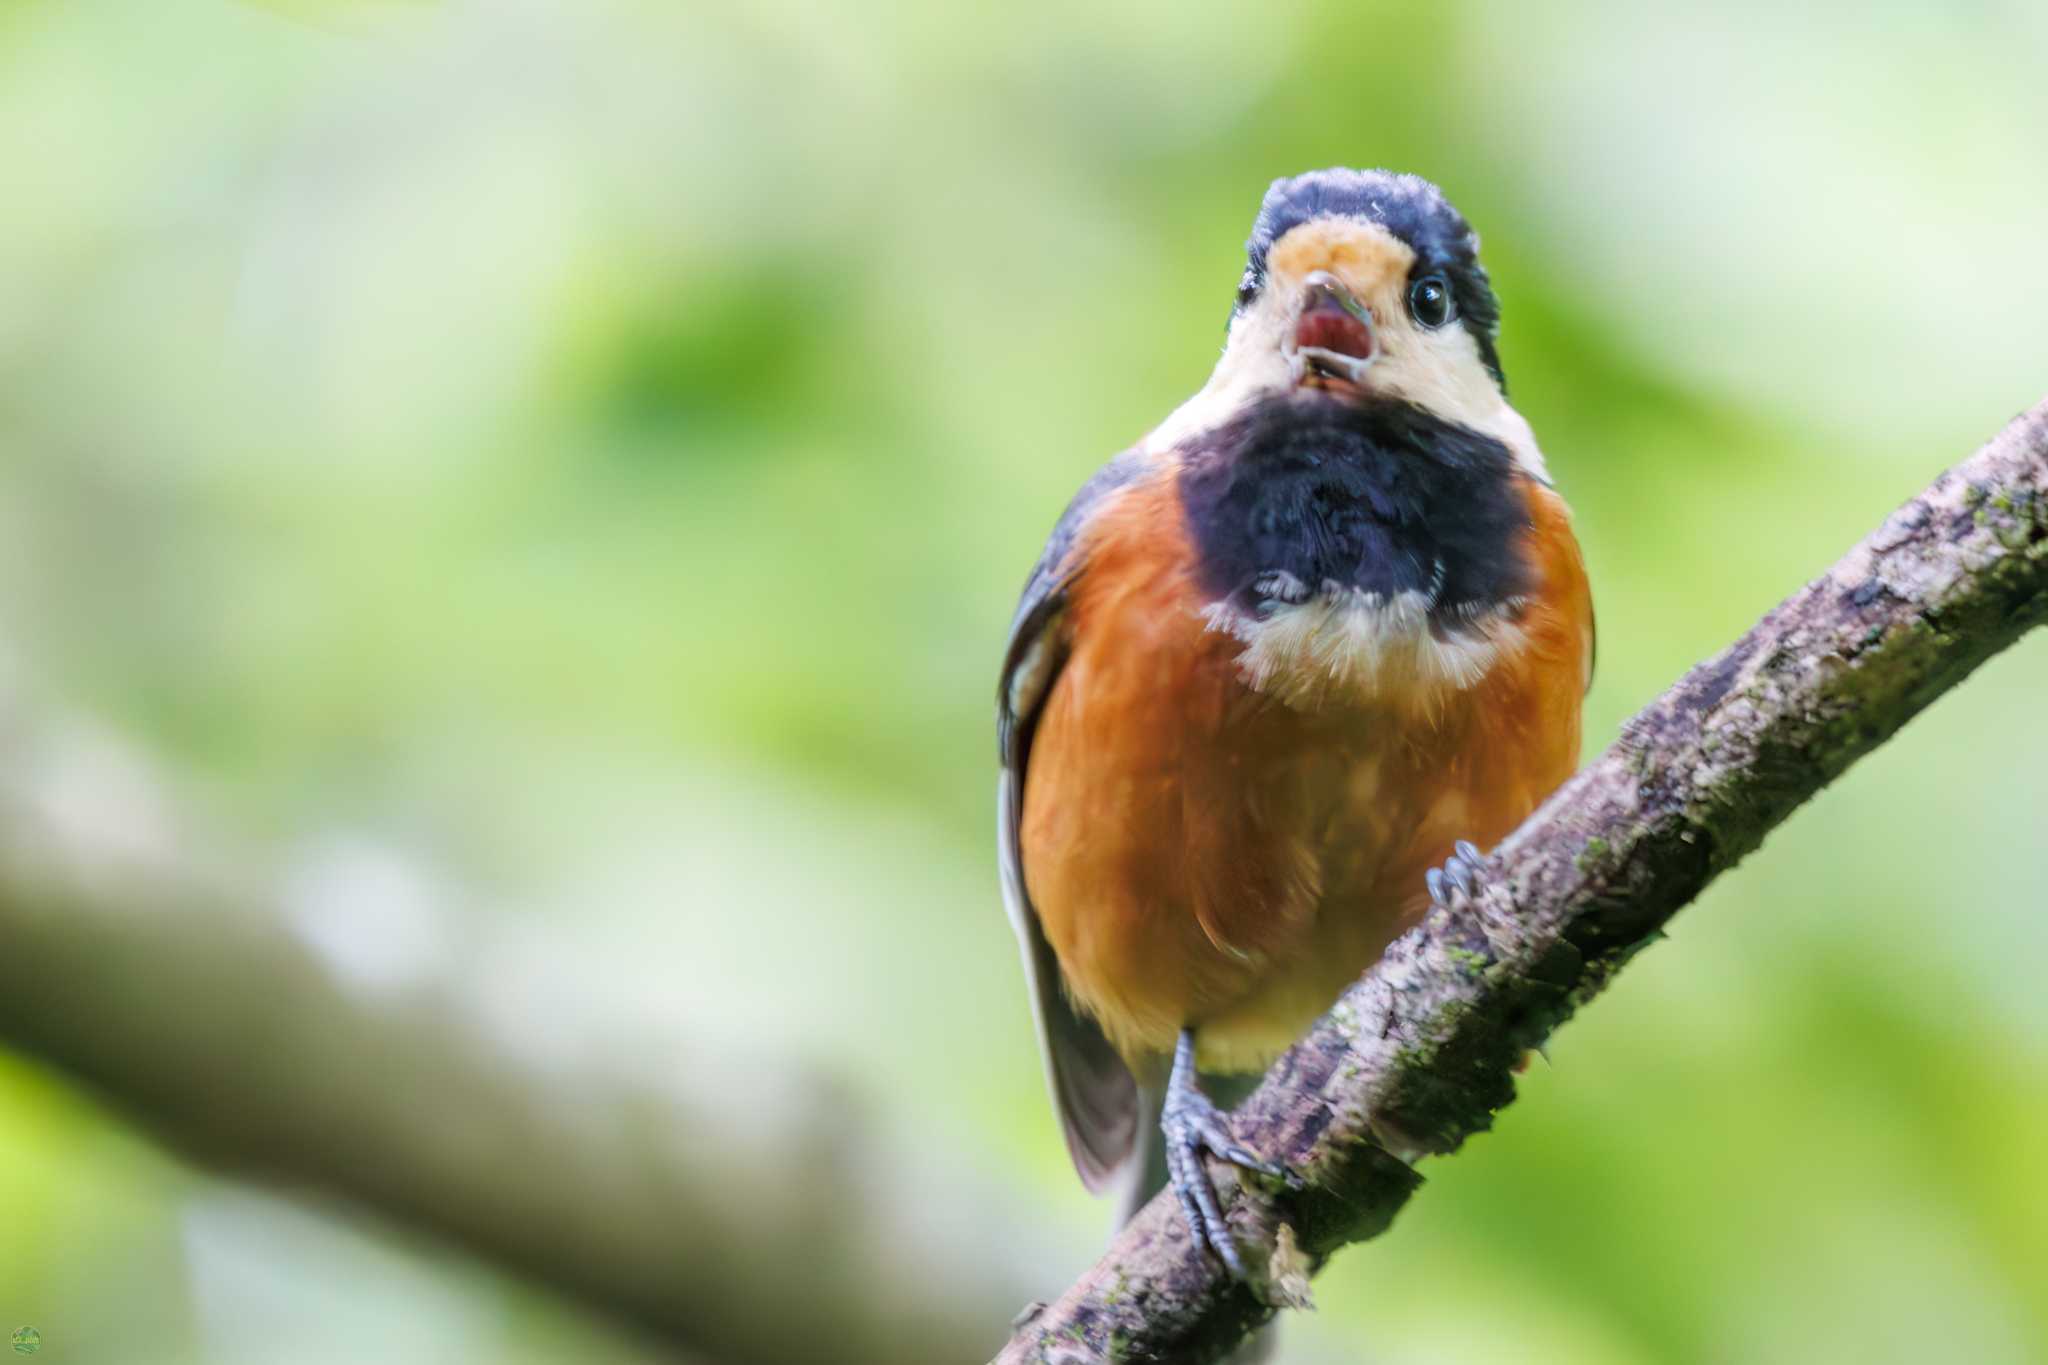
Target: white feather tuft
{"x": 1346, "y": 645}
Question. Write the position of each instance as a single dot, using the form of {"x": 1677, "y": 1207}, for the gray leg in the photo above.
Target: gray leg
{"x": 1194, "y": 1127}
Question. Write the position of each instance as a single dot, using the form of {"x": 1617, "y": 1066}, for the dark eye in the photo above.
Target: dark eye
{"x": 1429, "y": 299}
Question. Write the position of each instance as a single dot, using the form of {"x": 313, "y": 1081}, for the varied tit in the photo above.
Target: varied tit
{"x": 1322, "y": 631}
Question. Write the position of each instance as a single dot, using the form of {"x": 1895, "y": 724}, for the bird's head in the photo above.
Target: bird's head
{"x": 1361, "y": 285}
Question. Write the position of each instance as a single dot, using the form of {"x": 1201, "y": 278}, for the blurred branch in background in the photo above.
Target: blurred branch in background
{"x": 1421, "y": 1053}
{"x": 737, "y": 1206}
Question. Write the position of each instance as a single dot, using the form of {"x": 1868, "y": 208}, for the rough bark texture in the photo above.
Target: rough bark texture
{"x": 1420, "y": 1053}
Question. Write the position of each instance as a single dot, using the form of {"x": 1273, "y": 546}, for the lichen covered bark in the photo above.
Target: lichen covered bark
{"x": 1421, "y": 1052}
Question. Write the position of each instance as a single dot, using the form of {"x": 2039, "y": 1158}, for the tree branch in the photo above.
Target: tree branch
{"x": 740, "y": 1207}
{"x": 1420, "y": 1053}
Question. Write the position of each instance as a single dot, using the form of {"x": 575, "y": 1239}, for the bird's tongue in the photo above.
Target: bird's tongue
{"x": 1329, "y": 327}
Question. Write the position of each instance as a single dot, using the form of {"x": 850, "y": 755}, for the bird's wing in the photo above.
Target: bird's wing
{"x": 1094, "y": 1092}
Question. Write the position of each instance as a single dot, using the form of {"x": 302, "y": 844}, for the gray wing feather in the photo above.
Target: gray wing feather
{"x": 1094, "y": 1092}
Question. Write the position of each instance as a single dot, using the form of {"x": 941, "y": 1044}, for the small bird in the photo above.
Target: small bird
{"x": 1282, "y": 667}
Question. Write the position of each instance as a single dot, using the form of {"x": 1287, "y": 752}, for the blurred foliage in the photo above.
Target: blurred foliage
{"x": 596, "y": 444}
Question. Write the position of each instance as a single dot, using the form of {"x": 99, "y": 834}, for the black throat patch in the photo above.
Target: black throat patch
{"x": 1307, "y": 495}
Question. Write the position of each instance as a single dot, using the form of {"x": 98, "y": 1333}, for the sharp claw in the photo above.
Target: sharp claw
{"x": 1461, "y": 877}
{"x": 1272, "y": 1170}
{"x": 1437, "y": 891}
{"x": 1470, "y": 854}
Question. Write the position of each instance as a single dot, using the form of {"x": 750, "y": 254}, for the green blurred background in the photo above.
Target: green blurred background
{"x": 591, "y": 449}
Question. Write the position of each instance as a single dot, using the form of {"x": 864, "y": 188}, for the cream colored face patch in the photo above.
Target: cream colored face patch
{"x": 1368, "y": 258}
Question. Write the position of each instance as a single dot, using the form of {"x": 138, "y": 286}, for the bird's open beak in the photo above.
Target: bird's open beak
{"x": 1333, "y": 336}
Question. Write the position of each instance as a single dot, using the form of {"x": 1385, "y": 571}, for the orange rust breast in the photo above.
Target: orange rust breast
{"x": 1201, "y": 852}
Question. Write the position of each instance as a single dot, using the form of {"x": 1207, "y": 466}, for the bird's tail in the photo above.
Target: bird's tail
{"x": 1144, "y": 1175}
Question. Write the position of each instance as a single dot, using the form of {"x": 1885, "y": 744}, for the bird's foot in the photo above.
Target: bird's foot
{"x": 1194, "y": 1126}
{"x": 1460, "y": 878}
